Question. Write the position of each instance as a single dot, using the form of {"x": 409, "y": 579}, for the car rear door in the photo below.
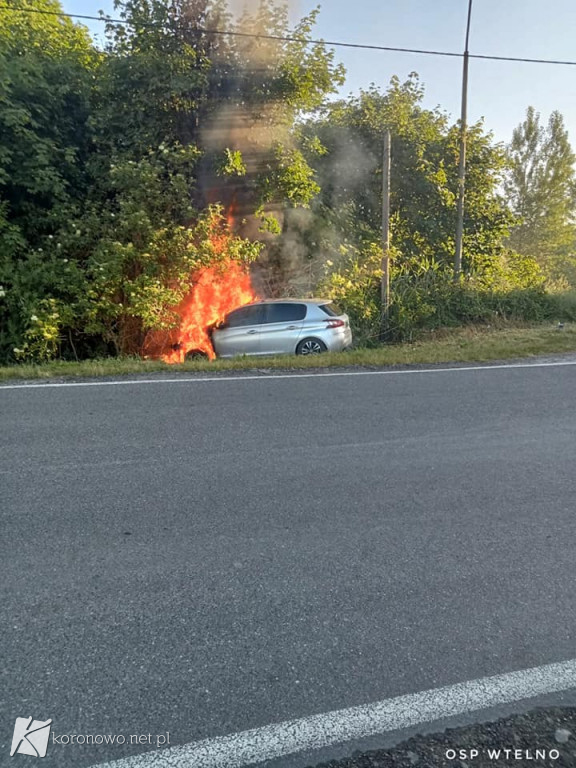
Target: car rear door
{"x": 281, "y": 328}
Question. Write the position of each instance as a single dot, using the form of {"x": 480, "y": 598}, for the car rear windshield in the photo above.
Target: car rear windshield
{"x": 331, "y": 309}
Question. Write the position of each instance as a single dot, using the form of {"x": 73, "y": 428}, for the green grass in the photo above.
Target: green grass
{"x": 470, "y": 344}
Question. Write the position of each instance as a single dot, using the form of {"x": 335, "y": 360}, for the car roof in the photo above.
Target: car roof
{"x": 293, "y": 301}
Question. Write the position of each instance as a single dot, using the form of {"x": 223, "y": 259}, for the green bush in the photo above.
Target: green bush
{"x": 563, "y": 306}
{"x": 355, "y": 286}
{"x": 425, "y": 297}
{"x": 127, "y": 282}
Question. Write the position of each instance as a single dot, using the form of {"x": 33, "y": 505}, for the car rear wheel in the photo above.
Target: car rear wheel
{"x": 310, "y": 347}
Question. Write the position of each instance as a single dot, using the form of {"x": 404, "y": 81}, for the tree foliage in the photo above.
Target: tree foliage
{"x": 170, "y": 77}
{"x": 113, "y": 162}
{"x": 423, "y": 176}
{"x": 116, "y": 165}
{"x": 424, "y": 187}
{"x": 541, "y": 189}
{"x": 46, "y": 66}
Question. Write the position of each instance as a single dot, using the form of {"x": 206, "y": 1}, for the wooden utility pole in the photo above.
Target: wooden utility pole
{"x": 462, "y": 159}
{"x": 385, "y": 288}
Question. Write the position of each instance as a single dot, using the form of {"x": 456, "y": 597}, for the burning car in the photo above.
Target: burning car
{"x": 282, "y": 327}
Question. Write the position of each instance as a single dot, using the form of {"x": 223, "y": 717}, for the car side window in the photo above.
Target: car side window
{"x": 249, "y": 315}
{"x": 330, "y": 309}
{"x": 285, "y": 313}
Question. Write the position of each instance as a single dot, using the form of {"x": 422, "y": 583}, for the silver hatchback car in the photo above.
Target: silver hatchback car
{"x": 282, "y": 327}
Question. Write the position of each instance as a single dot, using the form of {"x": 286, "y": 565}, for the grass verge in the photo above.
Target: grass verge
{"x": 469, "y": 344}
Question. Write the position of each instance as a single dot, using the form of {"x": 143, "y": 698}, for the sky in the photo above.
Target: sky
{"x": 499, "y": 92}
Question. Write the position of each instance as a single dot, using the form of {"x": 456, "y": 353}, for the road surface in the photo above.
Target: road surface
{"x": 204, "y": 557}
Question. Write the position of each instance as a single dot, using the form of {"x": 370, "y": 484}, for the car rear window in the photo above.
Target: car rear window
{"x": 331, "y": 309}
{"x": 285, "y": 313}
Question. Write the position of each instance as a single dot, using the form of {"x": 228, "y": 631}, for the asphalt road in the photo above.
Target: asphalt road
{"x": 203, "y": 558}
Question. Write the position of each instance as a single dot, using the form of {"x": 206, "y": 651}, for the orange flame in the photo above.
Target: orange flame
{"x": 214, "y": 292}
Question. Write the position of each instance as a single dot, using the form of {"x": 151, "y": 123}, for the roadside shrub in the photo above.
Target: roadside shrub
{"x": 119, "y": 287}
{"x": 419, "y": 305}
{"x": 563, "y": 306}
{"x": 355, "y": 287}
{"x": 425, "y": 297}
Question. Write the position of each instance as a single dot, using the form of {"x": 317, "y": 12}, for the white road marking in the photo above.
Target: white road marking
{"x": 268, "y": 377}
{"x": 273, "y": 741}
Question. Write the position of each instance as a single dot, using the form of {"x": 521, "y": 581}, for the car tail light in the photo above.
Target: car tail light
{"x": 335, "y": 323}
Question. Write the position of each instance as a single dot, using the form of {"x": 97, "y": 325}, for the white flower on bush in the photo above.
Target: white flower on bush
{"x": 34, "y": 318}
{"x": 2, "y": 291}
{"x": 78, "y": 232}
{"x": 17, "y": 351}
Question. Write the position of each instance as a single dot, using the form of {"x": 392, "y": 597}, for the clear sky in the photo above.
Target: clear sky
{"x": 499, "y": 91}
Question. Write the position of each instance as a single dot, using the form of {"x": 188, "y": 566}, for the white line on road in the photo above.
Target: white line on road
{"x": 267, "y": 377}
{"x": 273, "y": 741}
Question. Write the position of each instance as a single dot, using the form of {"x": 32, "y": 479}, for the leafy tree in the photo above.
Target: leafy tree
{"x": 46, "y": 64}
{"x": 541, "y": 189}
{"x": 44, "y": 89}
{"x": 423, "y": 178}
{"x": 229, "y": 101}
{"x": 111, "y": 161}
{"x": 171, "y": 77}
{"x": 46, "y": 69}
{"x": 423, "y": 202}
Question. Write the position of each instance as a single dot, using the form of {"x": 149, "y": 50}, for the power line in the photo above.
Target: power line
{"x": 293, "y": 39}
{"x": 521, "y": 59}
{"x": 235, "y": 33}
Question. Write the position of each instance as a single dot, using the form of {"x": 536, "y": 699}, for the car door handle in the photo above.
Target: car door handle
{"x": 291, "y": 328}
{"x": 251, "y": 331}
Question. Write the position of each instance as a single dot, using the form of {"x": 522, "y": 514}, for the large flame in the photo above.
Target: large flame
{"x": 214, "y": 292}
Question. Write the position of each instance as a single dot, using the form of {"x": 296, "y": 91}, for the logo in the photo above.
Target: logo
{"x": 30, "y": 737}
